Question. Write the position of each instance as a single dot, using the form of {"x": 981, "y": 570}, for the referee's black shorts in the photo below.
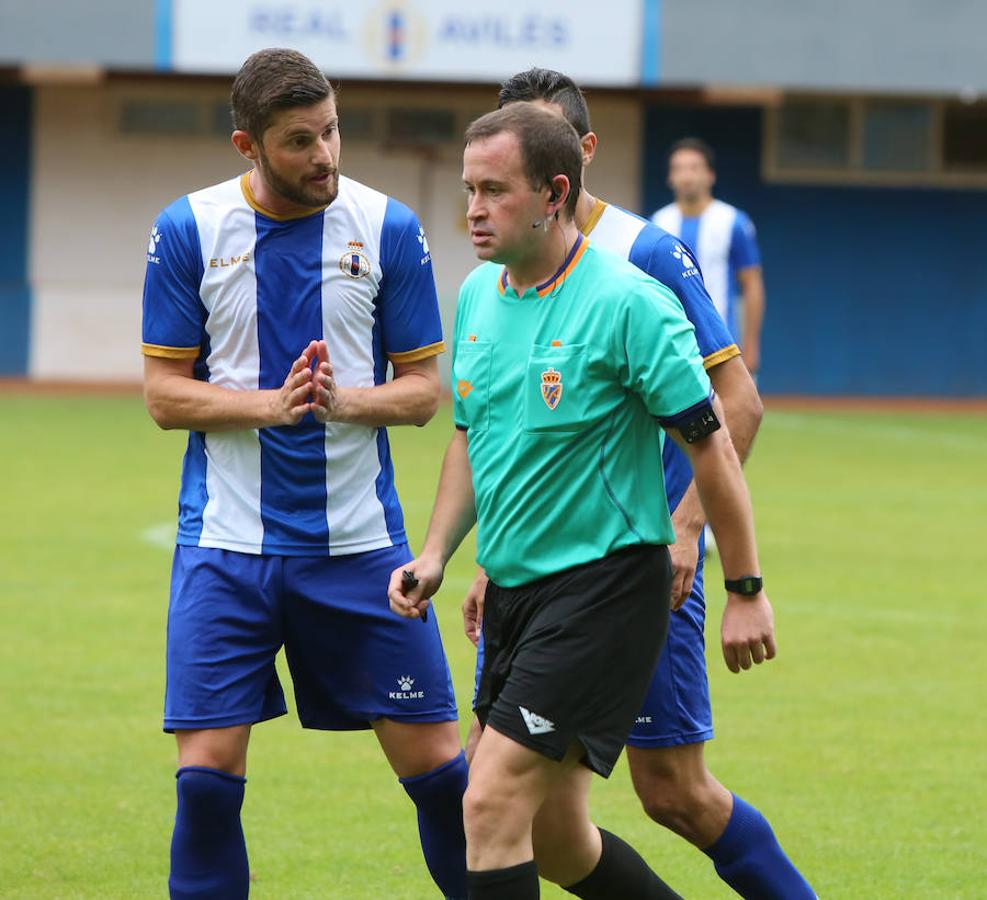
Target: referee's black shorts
{"x": 569, "y": 657}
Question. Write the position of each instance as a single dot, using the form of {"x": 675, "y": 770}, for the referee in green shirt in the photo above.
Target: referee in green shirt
{"x": 565, "y": 360}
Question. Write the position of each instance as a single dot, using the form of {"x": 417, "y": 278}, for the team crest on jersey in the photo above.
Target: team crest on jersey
{"x": 354, "y": 262}
{"x": 551, "y": 387}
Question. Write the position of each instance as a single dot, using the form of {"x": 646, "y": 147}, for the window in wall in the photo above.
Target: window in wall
{"x": 357, "y": 123}
{"x": 891, "y": 141}
{"x": 428, "y": 127}
{"x": 896, "y": 137}
{"x": 813, "y": 135}
{"x": 964, "y": 146}
{"x": 221, "y": 119}
{"x": 161, "y": 117}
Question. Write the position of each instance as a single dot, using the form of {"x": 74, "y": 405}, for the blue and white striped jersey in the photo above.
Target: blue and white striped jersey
{"x": 242, "y": 292}
{"x": 724, "y": 241}
{"x": 665, "y": 259}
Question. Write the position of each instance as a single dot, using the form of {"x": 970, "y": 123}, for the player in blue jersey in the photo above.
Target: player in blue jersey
{"x": 273, "y": 304}
{"x": 665, "y": 749}
{"x": 723, "y": 239}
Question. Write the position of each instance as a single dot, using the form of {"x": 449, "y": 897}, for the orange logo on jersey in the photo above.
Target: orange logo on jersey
{"x": 463, "y": 388}
{"x": 551, "y": 387}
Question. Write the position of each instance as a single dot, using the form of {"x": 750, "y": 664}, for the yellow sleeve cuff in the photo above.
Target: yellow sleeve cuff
{"x": 721, "y": 356}
{"x": 418, "y": 354}
{"x": 169, "y": 352}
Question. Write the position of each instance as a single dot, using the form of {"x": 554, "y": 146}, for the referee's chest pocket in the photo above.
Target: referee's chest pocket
{"x": 557, "y": 389}
{"x": 471, "y": 382}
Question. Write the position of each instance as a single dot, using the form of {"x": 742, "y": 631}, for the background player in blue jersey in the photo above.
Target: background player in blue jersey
{"x": 273, "y": 304}
{"x": 665, "y": 749}
{"x": 723, "y": 239}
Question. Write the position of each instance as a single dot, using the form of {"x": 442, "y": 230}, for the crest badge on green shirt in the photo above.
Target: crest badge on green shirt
{"x": 551, "y": 387}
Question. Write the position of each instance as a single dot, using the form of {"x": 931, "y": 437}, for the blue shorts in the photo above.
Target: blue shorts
{"x": 351, "y": 659}
{"x": 676, "y": 709}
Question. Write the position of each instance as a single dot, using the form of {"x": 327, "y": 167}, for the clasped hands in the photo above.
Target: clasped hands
{"x": 309, "y": 387}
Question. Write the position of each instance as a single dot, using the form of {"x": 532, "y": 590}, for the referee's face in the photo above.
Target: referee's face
{"x": 503, "y": 210}
{"x": 298, "y": 157}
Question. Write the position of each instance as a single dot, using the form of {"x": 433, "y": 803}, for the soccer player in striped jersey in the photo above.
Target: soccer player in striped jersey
{"x": 724, "y": 241}
{"x": 665, "y": 748}
{"x": 273, "y": 305}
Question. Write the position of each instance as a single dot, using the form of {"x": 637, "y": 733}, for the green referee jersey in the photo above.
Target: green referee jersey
{"x": 559, "y": 391}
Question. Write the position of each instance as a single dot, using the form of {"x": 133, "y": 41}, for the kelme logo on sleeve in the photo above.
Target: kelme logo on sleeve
{"x": 551, "y": 387}
{"x": 152, "y": 245}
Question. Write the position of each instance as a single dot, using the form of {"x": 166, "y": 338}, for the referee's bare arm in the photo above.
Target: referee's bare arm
{"x": 742, "y": 407}
{"x": 747, "y": 632}
{"x": 453, "y": 515}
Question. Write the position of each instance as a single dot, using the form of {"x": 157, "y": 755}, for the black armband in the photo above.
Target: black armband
{"x": 694, "y": 423}
{"x": 701, "y": 426}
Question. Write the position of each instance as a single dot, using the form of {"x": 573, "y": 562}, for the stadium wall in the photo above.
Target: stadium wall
{"x": 871, "y": 291}
{"x": 96, "y": 188}
{"x": 15, "y": 180}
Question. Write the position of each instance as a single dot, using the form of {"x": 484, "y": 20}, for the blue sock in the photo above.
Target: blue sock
{"x": 748, "y": 857}
{"x": 439, "y": 797}
{"x": 208, "y": 852}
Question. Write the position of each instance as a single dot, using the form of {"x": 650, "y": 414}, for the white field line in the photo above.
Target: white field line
{"x": 161, "y": 535}
{"x": 933, "y": 435}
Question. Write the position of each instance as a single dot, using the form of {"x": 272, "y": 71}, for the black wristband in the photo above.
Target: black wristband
{"x": 747, "y": 586}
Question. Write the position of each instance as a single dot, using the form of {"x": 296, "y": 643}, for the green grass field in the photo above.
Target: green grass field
{"x": 863, "y": 742}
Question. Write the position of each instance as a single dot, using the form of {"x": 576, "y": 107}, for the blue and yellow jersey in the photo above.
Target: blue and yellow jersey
{"x": 667, "y": 260}
{"x": 242, "y": 292}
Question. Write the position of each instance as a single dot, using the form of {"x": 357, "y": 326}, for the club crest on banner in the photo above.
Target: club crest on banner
{"x": 551, "y": 387}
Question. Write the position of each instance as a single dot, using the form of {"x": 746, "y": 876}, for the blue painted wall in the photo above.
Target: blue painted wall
{"x": 15, "y": 180}
{"x": 871, "y": 291}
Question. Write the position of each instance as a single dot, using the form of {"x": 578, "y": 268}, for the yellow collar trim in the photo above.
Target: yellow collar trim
{"x": 248, "y": 195}
{"x": 594, "y": 217}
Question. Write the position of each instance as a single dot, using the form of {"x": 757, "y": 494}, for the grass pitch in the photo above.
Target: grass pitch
{"x": 863, "y": 742}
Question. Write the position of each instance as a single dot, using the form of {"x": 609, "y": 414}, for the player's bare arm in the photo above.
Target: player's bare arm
{"x": 410, "y": 398}
{"x": 453, "y": 515}
{"x": 752, "y": 291}
{"x": 747, "y": 632}
{"x": 175, "y": 398}
{"x": 743, "y": 411}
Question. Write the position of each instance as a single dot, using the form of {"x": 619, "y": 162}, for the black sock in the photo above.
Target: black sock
{"x": 513, "y": 883}
{"x": 621, "y": 873}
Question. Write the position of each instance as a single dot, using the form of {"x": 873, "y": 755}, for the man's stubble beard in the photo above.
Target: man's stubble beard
{"x": 294, "y": 193}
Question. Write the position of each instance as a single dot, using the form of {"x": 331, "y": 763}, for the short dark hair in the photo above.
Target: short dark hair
{"x": 549, "y": 145}
{"x": 552, "y": 87}
{"x": 271, "y": 80}
{"x": 699, "y": 146}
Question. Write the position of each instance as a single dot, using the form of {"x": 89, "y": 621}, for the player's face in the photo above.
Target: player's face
{"x": 298, "y": 157}
{"x": 501, "y": 205}
{"x": 689, "y": 177}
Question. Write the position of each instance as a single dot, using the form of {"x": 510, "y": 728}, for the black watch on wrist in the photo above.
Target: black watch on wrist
{"x": 747, "y": 586}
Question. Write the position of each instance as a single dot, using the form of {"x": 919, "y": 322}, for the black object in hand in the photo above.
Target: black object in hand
{"x": 409, "y": 581}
